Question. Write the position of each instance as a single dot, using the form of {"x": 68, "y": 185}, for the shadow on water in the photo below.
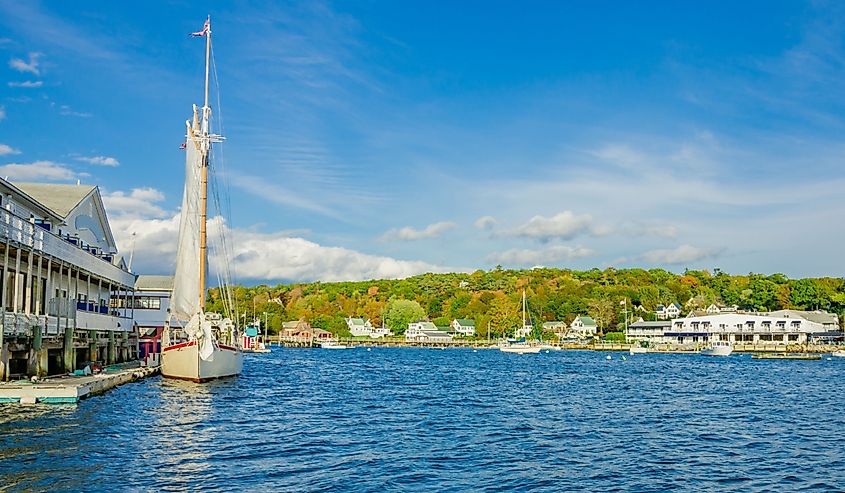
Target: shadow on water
{"x": 455, "y": 420}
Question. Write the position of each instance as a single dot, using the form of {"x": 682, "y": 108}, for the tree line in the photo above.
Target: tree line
{"x": 493, "y": 298}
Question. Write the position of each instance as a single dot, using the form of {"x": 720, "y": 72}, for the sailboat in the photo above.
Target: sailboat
{"x": 519, "y": 344}
{"x": 208, "y": 345}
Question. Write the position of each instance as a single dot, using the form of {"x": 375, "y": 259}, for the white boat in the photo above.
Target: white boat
{"x": 718, "y": 348}
{"x": 208, "y": 346}
{"x": 839, "y": 354}
{"x": 521, "y": 346}
{"x": 332, "y": 344}
{"x": 252, "y": 340}
{"x": 636, "y": 349}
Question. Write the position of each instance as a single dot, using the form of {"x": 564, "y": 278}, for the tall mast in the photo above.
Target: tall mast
{"x": 523, "y": 308}
{"x": 206, "y": 144}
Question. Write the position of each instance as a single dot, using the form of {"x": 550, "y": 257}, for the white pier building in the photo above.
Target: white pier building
{"x": 60, "y": 270}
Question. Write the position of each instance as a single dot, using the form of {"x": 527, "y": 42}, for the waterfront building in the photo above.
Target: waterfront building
{"x": 60, "y": 273}
{"x": 668, "y": 312}
{"x": 742, "y": 328}
{"x": 293, "y": 327}
{"x": 426, "y": 332}
{"x": 463, "y": 327}
{"x": 149, "y": 304}
{"x": 359, "y": 327}
{"x": 830, "y": 321}
{"x": 583, "y": 327}
{"x": 556, "y": 327}
{"x": 648, "y": 331}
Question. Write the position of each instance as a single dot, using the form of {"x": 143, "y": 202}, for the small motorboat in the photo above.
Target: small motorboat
{"x": 838, "y": 354}
{"x": 331, "y": 344}
{"x": 718, "y": 348}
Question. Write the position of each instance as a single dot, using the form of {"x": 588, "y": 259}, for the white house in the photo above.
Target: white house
{"x": 463, "y": 327}
{"x": 714, "y": 309}
{"x": 583, "y": 327}
{"x": 667, "y": 312}
{"x": 742, "y": 328}
{"x": 426, "y": 332}
{"x": 359, "y": 327}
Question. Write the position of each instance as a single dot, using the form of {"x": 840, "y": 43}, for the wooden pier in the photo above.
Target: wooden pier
{"x": 71, "y": 389}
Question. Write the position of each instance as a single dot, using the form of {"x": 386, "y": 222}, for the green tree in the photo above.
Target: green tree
{"x": 503, "y": 316}
{"x": 400, "y": 313}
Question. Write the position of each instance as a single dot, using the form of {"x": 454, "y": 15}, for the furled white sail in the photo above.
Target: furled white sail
{"x": 185, "y": 302}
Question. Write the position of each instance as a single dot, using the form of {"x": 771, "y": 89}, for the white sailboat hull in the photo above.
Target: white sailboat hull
{"x": 519, "y": 349}
{"x": 639, "y": 350}
{"x": 183, "y": 362}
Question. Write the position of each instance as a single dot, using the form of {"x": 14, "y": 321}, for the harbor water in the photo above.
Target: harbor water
{"x": 403, "y": 419}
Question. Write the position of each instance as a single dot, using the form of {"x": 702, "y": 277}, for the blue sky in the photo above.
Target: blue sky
{"x": 385, "y": 139}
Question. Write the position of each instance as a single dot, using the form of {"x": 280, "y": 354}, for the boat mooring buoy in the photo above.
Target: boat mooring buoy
{"x": 608, "y": 357}
{"x": 624, "y": 358}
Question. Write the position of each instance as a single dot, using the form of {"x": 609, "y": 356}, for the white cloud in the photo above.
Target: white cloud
{"x": 65, "y": 110}
{"x": 2, "y": 113}
{"x": 31, "y": 66}
{"x": 485, "y": 222}
{"x": 651, "y": 229}
{"x": 410, "y": 234}
{"x": 38, "y": 170}
{"x": 5, "y": 150}
{"x": 554, "y": 253}
{"x": 680, "y": 255}
{"x": 139, "y": 203}
{"x": 27, "y": 83}
{"x": 565, "y": 225}
{"x": 258, "y": 256}
{"x": 99, "y": 160}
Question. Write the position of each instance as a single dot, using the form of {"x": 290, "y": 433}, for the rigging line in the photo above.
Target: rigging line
{"x": 227, "y": 213}
{"x": 225, "y": 274}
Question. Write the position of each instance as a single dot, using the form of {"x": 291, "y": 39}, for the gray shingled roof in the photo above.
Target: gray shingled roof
{"x": 59, "y": 198}
{"x": 154, "y": 283}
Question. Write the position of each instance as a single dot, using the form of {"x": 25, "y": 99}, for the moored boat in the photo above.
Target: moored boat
{"x": 838, "y": 354}
{"x": 208, "y": 345}
{"x": 718, "y": 348}
{"x": 333, "y": 344}
{"x": 521, "y": 345}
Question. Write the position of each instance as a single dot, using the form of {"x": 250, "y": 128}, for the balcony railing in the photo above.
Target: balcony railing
{"x": 41, "y": 239}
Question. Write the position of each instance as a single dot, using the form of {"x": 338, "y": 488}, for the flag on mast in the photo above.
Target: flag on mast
{"x": 204, "y": 29}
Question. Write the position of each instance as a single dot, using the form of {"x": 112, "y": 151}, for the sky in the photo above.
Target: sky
{"x": 378, "y": 139}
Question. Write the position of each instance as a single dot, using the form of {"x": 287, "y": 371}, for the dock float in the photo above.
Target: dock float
{"x": 786, "y": 356}
{"x": 69, "y": 389}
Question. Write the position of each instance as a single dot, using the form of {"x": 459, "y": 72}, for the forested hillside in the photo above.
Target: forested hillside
{"x": 492, "y": 298}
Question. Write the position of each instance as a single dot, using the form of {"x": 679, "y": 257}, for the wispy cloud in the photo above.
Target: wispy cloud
{"x": 99, "y": 160}
{"x": 6, "y": 150}
{"x": 684, "y": 254}
{"x": 279, "y": 195}
{"x": 37, "y": 170}
{"x": 30, "y": 66}
{"x": 485, "y": 222}
{"x": 565, "y": 225}
{"x": 140, "y": 202}
{"x": 410, "y": 234}
{"x": 66, "y": 110}
{"x": 2, "y": 112}
{"x": 544, "y": 256}
{"x": 27, "y": 84}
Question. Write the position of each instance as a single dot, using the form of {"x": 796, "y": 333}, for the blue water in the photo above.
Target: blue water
{"x": 451, "y": 420}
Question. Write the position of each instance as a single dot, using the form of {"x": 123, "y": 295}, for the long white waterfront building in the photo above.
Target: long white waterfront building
{"x": 742, "y": 328}
{"x": 60, "y": 271}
